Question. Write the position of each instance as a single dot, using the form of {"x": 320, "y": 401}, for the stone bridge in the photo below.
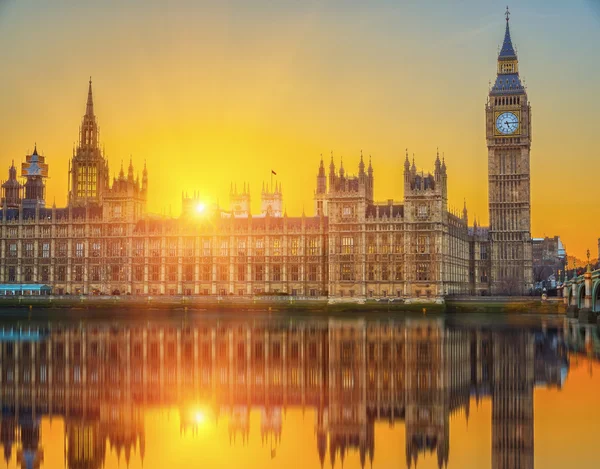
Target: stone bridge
{"x": 581, "y": 296}
{"x": 582, "y": 339}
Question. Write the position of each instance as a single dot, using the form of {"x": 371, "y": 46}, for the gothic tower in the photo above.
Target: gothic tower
{"x": 271, "y": 201}
{"x": 89, "y": 171}
{"x": 508, "y": 132}
{"x": 239, "y": 203}
{"x": 35, "y": 171}
{"x": 11, "y": 189}
{"x": 321, "y": 192}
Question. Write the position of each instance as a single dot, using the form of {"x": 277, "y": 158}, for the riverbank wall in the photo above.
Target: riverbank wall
{"x": 507, "y": 304}
{"x": 284, "y": 304}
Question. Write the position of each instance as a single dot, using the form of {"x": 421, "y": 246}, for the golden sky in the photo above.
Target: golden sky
{"x": 210, "y": 93}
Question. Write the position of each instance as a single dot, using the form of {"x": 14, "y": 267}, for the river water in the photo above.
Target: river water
{"x": 304, "y": 392}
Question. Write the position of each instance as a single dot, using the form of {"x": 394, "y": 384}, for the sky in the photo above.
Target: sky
{"x": 210, "y": 93}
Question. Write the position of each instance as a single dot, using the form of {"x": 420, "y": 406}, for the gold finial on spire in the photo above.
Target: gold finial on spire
{"x": 507, "y": 14}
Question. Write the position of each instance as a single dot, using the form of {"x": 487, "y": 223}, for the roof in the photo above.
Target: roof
{"x": 507, "y": 52}
{"x": 479, "y": 231}
{"x": 508, "y": 83}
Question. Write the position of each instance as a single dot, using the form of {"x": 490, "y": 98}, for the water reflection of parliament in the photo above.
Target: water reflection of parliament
{"x": 353, "y": 373}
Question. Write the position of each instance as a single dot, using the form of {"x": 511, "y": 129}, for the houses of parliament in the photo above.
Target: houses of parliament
{"x": 351, "y": 248}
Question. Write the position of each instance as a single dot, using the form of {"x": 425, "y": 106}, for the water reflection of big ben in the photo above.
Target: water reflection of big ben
{"x": 512, "y": 400}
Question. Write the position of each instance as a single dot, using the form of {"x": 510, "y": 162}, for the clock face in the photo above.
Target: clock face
{"x": 507, "y": 123}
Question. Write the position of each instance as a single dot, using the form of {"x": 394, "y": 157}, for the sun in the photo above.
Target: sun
{"x": 200, "y": 208}
{"x": 199, "y": 417}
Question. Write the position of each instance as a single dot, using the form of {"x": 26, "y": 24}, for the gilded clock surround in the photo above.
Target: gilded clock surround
{"x": 516, "y": 112}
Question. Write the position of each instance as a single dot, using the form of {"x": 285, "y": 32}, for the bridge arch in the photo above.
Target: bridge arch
{"x": 596, "y": 296}
{"x": 581, "y": 295}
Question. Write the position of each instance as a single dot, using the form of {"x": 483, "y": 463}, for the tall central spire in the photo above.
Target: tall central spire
{"x": 507, "y": 51}
{"x": 89, "y": 108}
{"x": 88, "y": 138}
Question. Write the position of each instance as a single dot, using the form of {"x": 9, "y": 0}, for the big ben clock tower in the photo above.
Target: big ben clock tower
{"x": 508, "y": 132}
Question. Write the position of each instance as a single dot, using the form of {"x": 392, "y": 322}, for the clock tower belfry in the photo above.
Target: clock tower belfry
{"x": 508, "y": 133}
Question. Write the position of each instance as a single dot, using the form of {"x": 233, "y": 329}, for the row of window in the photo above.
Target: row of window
{"x": 507, "y": 101}
{"x": 385, "y": 273}
{"x": 117, "y": 248}
{"x": 347, "y": 245}
{"x": 119, "y": 273}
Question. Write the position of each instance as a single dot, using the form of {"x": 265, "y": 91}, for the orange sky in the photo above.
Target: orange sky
{"x": 210, "y": 94}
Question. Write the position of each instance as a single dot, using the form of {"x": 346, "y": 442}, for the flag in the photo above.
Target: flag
{"x": 273, "y": 172}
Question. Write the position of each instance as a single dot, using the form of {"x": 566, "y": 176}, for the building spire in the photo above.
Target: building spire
{"x": 507, "y": 51}
{"x": 361, "y": 165}
{"x": 89, "y": 107}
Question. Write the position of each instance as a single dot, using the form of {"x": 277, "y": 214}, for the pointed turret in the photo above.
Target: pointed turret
{"x": 361, "y": 165}
{"x": 370, "y": 180}
{"x": 89, "y": 106}
{"x": 144, "y": 178}
{"x": 332, "y": 175}
{"x": 130, "y": 170}
{"x": 88, "y": 132}
{"x": 465, "y": 214}
{"x": 321, "y": 178}
{"x": 12, "y": 171}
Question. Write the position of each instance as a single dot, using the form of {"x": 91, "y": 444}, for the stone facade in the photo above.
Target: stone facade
{"x": 414, "y": 249}
{"x": 105, "y": 242}
{"x": 353, "y": 248}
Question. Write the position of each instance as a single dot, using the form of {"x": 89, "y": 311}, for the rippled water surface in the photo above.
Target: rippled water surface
{"x": 300, "y": 392}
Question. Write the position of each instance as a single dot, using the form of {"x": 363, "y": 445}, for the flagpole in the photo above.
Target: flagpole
{"x": 271, "y": 180}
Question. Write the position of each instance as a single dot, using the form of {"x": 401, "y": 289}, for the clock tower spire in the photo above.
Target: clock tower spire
{"x": 508, "y": 132}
